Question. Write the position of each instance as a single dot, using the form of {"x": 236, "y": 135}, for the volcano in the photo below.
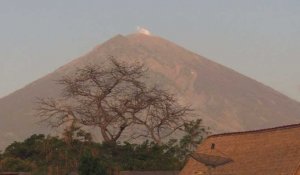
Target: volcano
{"x": 225, "y": 99}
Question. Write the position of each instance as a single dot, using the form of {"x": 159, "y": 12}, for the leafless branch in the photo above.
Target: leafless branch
{"x": 114, "y": 98}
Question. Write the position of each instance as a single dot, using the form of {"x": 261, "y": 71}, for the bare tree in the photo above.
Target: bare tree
{"x": 162, "y": 117}
{"x": 115, "y": 98}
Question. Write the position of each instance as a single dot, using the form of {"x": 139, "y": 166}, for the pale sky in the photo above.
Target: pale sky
{"x": 258, "y": 38}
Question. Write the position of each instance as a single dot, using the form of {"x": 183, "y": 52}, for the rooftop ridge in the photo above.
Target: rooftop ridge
{"x": 257, "y": 131}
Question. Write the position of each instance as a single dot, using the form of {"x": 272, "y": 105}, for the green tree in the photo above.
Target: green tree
{"x": 29, "y": 149}
{"x": 89, "y": 165}
{"x": 16, "y": 164}
{"x": 195, "y": 132}
{"x": 75, "y": 151}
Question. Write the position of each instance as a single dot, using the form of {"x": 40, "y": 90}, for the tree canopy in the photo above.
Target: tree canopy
{"x": 40, "y": 154}
{"x": 115, "y": 97}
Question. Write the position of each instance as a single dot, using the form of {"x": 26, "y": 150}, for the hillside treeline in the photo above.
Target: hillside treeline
{"x": 75, "y": 151}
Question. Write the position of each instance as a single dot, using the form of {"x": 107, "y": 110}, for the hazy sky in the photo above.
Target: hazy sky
{"x": 259, "y": 38}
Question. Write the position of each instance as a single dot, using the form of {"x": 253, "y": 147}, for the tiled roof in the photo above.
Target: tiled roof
{"x": 274, "y": 151}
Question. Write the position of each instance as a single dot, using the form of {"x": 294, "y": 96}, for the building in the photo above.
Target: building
{"x": 274, "y": 151}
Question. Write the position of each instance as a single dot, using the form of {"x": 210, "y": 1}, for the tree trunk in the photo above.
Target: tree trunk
{"x": 105, "y": 135}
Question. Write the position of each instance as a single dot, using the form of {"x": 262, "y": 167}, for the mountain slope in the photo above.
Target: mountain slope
{"x": 225, "y": 99}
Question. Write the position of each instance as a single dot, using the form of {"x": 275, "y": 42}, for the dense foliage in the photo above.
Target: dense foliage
{"x": 90, "y": 165}
{"x": 75, "y": 151}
